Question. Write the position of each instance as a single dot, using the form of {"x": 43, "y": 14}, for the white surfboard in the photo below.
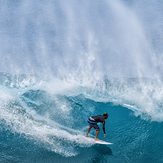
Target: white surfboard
{"x": 99, "y": 142}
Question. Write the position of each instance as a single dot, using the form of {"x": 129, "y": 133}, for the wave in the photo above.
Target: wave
{"x": 61, "y": 62}
{"x": 100, "y": 56}
{"x": 54, "y": 119}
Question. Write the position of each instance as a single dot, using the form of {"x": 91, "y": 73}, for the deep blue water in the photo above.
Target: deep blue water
{"x": 38, "y": 126}
{"x": 64, "y": 61}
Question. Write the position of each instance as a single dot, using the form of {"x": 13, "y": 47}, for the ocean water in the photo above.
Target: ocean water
{"x": 64, "y": 61}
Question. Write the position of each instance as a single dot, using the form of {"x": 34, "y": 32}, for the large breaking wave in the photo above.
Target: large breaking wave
{"x": 62, "y": 61}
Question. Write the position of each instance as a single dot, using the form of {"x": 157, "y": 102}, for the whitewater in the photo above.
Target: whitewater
{"x": 64, "y": 61}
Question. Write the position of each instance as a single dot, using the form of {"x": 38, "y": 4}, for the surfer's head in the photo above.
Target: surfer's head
{"x": 105, "y": 115}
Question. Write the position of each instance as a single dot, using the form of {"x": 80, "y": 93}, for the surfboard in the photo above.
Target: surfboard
{"x": 99, "y": 142}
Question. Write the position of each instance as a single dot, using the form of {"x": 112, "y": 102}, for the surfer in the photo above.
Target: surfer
{"x": 93, "y": 123}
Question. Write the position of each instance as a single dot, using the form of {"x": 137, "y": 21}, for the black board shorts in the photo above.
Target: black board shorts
{"x": 93, "y": 124}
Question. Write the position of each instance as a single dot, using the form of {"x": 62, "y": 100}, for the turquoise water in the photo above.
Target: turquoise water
{"x": 38, "y": 126}
{"x": 64, "y": 61}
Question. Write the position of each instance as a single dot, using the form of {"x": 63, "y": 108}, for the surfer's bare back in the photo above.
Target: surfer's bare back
{"x": 93, "y": 123}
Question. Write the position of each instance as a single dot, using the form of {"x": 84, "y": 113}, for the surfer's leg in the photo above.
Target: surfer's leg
{"x": 88, "y": 131}
{"x": 97, "y": 132}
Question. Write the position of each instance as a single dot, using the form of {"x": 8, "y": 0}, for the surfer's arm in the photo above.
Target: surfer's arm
{"x": 104, "y": 128}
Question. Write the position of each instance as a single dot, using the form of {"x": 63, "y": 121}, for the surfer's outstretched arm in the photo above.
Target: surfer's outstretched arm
{"x": 104, "y": 129}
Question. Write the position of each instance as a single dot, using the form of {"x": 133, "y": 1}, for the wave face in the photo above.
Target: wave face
{"x": 64, "y": 61}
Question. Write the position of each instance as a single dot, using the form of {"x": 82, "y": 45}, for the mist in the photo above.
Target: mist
{"x": 100, "y": 38}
